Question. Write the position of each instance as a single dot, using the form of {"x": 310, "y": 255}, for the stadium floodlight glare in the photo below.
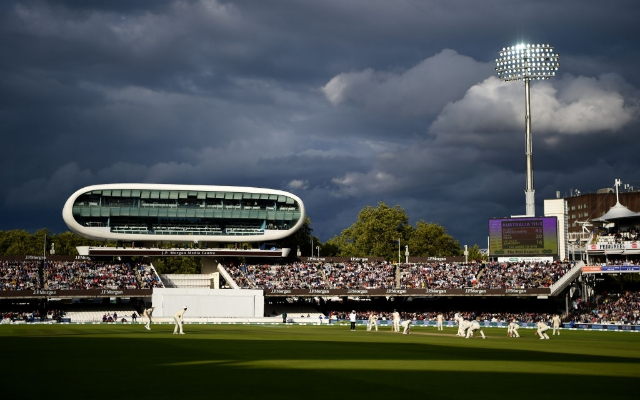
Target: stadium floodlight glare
{"x": 527, "y": 62}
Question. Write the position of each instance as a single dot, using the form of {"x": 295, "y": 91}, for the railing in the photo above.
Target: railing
{"x": 227, "y": 277}
{"x": 563, "y": 282}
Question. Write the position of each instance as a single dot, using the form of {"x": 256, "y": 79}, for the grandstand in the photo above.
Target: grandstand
{"x": 350, "y": 275}
{"x": 82, "y": 290}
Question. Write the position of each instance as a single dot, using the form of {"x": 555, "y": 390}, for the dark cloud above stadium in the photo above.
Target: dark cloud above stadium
{"x": 345, "y": 103}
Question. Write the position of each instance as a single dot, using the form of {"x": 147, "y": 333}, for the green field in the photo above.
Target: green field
{"x": 311, "y": 362}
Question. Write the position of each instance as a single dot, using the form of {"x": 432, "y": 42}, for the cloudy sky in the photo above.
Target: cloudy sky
{"x": 343, "y": 102}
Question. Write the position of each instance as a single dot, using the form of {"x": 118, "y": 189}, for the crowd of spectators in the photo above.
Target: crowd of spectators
{"x": 31, "y": 316}
{"x": 360, "y": 275}
{"x": 521, "y": 275}
{"x": 439, "y": 275}
{"x": 19, "y": 275}
{"x": 84, "y": 275}
{"x": 383, "y": 275}
{"x": 148, "y": 276}
{"x": 291, "y": 276}
{"x": 618, "y": 308}
{"x": 631, "y": 235}
{"x": 238, "y": 274}
{"x": 75, "y": 275}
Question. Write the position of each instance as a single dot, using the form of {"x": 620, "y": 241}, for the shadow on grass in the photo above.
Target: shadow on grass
{"x": 158, "y": 365}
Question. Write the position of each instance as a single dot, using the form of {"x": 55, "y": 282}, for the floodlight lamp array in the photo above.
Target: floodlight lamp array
{"x": 527, "y": 62}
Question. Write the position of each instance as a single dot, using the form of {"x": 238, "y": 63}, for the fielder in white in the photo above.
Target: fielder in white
{"x": 542, "y": 330}
{"x": 147, "y": 314}
{"x": 439, "y": 319}
{"x": 556, "y": 324}
{"x": 178, "y": 319}
{"x": 463, "y": 325}
{"x": 406, "y": 325}
{"x": 373, "y": 322}
{"x": 396, "y": 321}
{"x": 474, "y": 326}
{"x": 512, "y": 329}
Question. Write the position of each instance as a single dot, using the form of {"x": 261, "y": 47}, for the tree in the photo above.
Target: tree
{"x": 16, "y": 243}
{"x": 178, "y": 265}
{"x": 65, "y": 243}
{"x": 301, "y": 239}
{"x": 330, "y": 249}
{"x": 475, "y": 254}
{"x": 375, "y": 233}
{"x": 432, "y": 240}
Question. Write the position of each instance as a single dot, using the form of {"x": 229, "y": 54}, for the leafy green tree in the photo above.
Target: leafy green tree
{"x": 178, "y": 265}
{"x": 375, "y": 233}
{"x": 329, "y": 249}
{"x": 432, "y": 240}
{"x": 65, "y": 243}
{"x": 17, "y": 243}
{"x": 302, "y": 239}
{"x": 475, "y": 254}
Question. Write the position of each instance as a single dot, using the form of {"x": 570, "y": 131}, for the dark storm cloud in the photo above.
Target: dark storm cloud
{"x": 345, "y": 103}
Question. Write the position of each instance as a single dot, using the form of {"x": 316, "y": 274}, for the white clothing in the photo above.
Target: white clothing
{"x": 147, "y": 314}
{"x": 556, "y": 324}
{"x": 474, "y": 326}
{"x": 512, "y": 329}
{"x": 407, "y": 327}
{"x": 462, "y": 325}
{"x": 352, "y": 317}
{"x": 373, "y": 322}
{"x": 178, "y": 319}
{"x": 439, "y": 319}
{"x": 396, "y": 321}
{"x": 542, "y": 329}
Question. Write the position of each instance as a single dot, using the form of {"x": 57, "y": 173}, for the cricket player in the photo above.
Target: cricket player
{"x": 512, "y": 329}
{"x": 406, "y": 325}
{"x": 396, "y": 321}
{"x": 542, "y": 330}
{"x": 439, "y": 319}
{"x": 147, "y": 314}
{"x": 556, "y": 324}
{"x": 462, "y": 325}
{"x": 178, "y": 319}
{"x": 373, "y": 322}
{"x": 474, "y": 326}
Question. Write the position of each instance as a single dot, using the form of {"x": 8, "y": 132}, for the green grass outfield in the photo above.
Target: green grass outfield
{"x": 311, "y": 362}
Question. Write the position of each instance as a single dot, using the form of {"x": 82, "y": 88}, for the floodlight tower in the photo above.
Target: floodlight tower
{"x": 527, "y": 62}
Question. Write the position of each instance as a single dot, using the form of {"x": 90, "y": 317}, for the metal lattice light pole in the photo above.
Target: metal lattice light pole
{"x": 527, "y": 62}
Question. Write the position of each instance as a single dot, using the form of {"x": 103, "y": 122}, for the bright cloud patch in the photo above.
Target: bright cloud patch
{"x": 421, "y": 90}
{"x": 570, "y": 105}
{"x": 298, "y": 184}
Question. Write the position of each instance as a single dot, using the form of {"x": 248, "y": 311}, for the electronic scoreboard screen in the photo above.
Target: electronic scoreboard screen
{"x": 528, "y": 236}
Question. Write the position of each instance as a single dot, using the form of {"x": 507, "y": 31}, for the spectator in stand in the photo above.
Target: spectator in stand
{"x": 19, "y": 275}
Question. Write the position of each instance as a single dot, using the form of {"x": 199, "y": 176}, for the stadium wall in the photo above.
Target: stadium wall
{"x": 207, "y": 303}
